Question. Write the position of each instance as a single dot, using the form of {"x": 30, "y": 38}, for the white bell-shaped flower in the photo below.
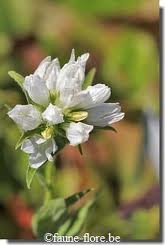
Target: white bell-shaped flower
{"x": 104, "y": 114}
{"x": 37, "y": 89}
{"x": 39, "y": 149}
{"x": 78, "y": 133}
{"x": 27, "y": 117}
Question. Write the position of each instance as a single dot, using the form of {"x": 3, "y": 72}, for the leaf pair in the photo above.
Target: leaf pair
{"x": 55, "y": 216}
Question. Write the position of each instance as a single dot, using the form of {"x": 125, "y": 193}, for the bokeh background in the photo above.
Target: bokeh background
{"x": 123, "y": 39}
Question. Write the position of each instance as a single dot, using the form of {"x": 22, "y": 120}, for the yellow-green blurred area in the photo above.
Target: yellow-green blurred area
{"x": 122, "y": 37}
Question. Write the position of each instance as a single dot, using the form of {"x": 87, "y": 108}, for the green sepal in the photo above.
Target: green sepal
{"x": 22, "y": 138}
{"x": 18, "y": 78}
{"x": 29, "y": 176}
{"x": 89, "y": 78}
{"x": 20, "y": 141}
{"x": 28, "y": 134}
{"x": 106, "y": 128}
{"x": 80, "y": 149}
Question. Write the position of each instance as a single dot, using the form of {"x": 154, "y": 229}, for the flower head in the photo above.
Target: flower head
{"x": 61, "y": 108}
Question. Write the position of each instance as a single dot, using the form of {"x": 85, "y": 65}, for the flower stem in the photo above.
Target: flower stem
{"x": 48, "y": 178}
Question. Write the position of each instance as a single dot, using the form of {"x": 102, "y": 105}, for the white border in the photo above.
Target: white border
{"x": 5, "y": 242}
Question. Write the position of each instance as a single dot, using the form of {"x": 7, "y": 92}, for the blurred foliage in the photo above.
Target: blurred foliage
{"x": 105, "y": 7}
{"x": 125, "y": 54}
{"x": 130, "y": 68}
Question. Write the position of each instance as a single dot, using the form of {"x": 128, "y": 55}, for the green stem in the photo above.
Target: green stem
{"x": 48, "y": 178}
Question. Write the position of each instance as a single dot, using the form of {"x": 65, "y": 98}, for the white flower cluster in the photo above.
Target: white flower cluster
{"x": 58, "y": 107}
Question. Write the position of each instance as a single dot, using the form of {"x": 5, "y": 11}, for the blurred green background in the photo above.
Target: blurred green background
{"x": 122, "y": 38}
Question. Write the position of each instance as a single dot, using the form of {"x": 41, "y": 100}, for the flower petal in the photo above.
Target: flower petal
{"x": 71, "y": 76}
{"x": 116, "y": 117}
{"x": 73, "y": 73}
{"x": 28, "y": 145}
{"x": 72, "y": 56}
{"x": 37, "y": 89}
{"x": 82, "y": 60}
{"x": 41, "y": 70}
{"x": 78, "y": 133}
{"x": 39, "y": 140}
{"x": 99, "y": 93}
{"x": 90, "y": 97}
{"x": 66, "y": 97}
{"x": 78, "y": 100}
{"x": 53, "y": 114}
{"x": 26, "y": 116}
{"x": 104, "y": 114}
{"x": 31, "y": 145}
{"x": 51, "y": 150}
{"x": 52, "y": 74}
{"x": 37, "y": 159}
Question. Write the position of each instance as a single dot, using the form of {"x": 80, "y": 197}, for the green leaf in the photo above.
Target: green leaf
{"x": 55, "y": 216}
{"x": 50, "y": 217}
{"x": 29, "y": 175}
{"x": 89, "y": 78}
{"x": 74, "y": 223}
{"x": 65, "y": 226}
{"x": 79, "y": 219}
{"x": 76, "y": 197}
{"x": 80, "y": 149}
{"x": 19, "y": 79}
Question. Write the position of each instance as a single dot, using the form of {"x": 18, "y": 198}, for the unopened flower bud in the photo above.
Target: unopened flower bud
{"x": 77, "y": 116}
{"x": 48, "y": 133}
